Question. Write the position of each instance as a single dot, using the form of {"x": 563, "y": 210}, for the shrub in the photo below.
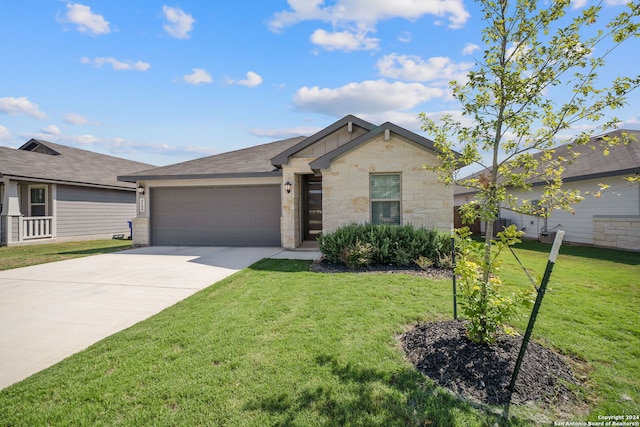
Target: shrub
{"x": 397, "y": 245}
{"x": 484, "y": 303}
{"x": 357, "y": 254}
{"x": 423, "y": 262}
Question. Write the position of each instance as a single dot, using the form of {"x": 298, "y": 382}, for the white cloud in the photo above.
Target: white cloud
{"x": 116, "y": 64}
{"x": 631, "y": 123}
{"x": 198, "y": 76}
{"x": 285, "y": 133}
{"x": 413, "y": 68}
{"x": 17, "y": 106}
{"x": 120, "y": 146}
{"x": 252, "y": 80}
{"x": 469, "y": 48}
{"x": 344, "y": 40}
{"x": 5, "y": 135}
{"x": 405, "y": 37}
{"x": 77, "y": 120}
{"x": 368, "y": 97}
{"x": 83, "y": 139}
{"x": 368, "y": 12}
{"x": 51, "y": 130}
{"x": 87, "y": 21}
{"x": 455, "y": 114}
{"x": 407, "y": 119}
{"x": 179, "y": 23}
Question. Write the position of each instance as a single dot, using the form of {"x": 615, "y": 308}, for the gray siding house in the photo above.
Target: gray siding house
{"x": 610, "y": 219}
{"x": 288, "y": 192}
{"x": 50, "y": 192}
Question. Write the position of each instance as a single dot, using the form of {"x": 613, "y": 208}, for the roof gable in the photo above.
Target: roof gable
{"x": 323, "y": 162}
{"x": 350, "y": 120}
{"x": 38, "y": 146}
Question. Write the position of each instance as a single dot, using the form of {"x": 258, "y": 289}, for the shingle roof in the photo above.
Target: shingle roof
{"x": 591, "y": 163}
{"x": 64, "y": 164}
{"x": 247, "y": 162}
{"x": 622, "y": 159}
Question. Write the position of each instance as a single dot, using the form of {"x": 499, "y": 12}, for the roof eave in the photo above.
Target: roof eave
{"x": 136, "y": 178}
{"x": 64, "y": 182}
{"x": 607, "y": 174}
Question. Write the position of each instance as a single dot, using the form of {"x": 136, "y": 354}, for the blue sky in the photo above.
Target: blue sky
{"x": 166, "y": 82}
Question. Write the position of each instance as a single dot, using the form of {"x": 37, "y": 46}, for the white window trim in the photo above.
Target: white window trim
{"x": 46, "y": 198}
{"x": 372, "y": 200}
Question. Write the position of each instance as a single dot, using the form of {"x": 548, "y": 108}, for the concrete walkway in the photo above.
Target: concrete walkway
{"x": 51, "y": 311}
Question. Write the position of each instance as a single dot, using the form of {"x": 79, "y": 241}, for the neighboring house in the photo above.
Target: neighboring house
{"x": 51, "y": 192}
{"x": 287, "y": 192}
{"x": 610, "y": 219}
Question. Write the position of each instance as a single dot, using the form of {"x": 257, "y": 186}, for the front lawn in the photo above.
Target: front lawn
{"x": 276, "y": 344}
{"x": 23, "y": 256}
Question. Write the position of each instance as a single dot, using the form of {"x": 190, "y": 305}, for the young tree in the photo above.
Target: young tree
{"x": 513, "y": 107}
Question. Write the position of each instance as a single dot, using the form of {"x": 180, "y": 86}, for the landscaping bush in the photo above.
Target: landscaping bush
{"x": 366, "y": 244}
{"x": 357, "y": 254}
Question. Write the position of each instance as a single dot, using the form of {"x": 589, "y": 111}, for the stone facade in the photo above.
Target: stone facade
{"x": 345, "y": 187}
{"x": 424, "y": 203}
{"x": 620, "y": 232}
{"x": 291, "y": 224}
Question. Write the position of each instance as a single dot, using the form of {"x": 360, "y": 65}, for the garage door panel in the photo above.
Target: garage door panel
{"x": 216, "y": 216}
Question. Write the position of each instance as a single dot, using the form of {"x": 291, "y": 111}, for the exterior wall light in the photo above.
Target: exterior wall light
{"x": 141, "y": 189}
{"x": 287, "y": 186}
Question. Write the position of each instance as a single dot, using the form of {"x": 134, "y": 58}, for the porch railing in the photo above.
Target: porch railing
{"x": 36, "y": 227}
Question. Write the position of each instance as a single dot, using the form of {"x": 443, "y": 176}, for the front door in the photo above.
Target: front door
{"x": 312, "y": 206}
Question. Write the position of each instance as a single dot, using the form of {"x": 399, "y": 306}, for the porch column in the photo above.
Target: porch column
{"x": 10, "y": 210}
{"x": 54, "y": 211}
{"x": 289, "y": 204}
{"x": 140, "y": 224}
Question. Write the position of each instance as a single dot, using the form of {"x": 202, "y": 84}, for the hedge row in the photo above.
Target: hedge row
{"x": 358, "y": 245}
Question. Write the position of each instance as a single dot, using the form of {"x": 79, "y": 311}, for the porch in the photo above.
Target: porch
{"x": 37, "y": 201}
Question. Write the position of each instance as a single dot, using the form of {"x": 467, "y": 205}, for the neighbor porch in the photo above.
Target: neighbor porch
{"x": 27, "y": 212}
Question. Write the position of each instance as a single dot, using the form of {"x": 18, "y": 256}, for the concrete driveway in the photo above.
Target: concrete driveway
{"x": 51, "y": 311}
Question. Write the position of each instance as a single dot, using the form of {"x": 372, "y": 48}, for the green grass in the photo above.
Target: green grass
{"x": 23, "y": 256}
{"x": 591, "y": 311}
{"x": 278, "y": 345}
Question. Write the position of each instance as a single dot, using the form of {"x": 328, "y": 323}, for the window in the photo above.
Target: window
{"x": 37, "y": 201}
{"x": 385, "y": 198}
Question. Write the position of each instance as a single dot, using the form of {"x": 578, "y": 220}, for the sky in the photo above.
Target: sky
{"x": 165, "y": 82}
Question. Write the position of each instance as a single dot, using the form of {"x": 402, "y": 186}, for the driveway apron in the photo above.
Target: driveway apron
{"x": 51, "y": 311}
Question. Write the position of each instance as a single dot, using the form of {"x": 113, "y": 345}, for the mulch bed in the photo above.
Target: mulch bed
{"x": 482, "y": 373}
{"x": 478, "y": 373}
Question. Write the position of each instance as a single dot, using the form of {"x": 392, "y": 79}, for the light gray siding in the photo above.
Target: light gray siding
{"x": 84, "y": 211}
{"x": 622, "y": 198}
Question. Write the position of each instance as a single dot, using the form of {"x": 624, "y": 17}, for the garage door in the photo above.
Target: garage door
{"x": 216, "y": 216}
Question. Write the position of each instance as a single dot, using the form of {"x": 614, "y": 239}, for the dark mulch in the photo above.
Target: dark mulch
{"x": 482, "y": 373}
{"x": 431, "y": 273}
